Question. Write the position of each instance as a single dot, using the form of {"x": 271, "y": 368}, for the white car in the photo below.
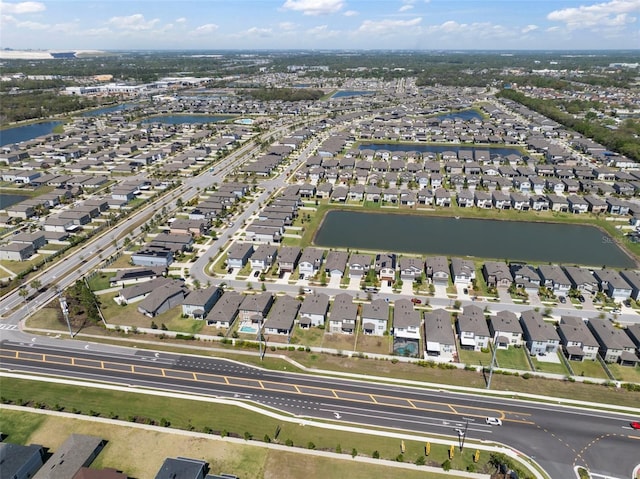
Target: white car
{"x": 494, "y": 421}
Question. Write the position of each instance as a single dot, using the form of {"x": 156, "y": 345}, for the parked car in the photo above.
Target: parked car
{"x": 416, "y": 300}
{"x": 494, "y": 421}
{"x": 256, "y": 273}
{"x": 562, "y": 299}
{"x": 465, "y": 291}
{"x": 581, "y": 298}
{"x": 307, "y": 290}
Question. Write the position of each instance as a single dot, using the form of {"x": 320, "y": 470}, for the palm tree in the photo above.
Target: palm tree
{"x": 36, "y": 284}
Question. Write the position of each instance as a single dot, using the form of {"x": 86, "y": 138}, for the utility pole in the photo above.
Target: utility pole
{"x": 493, "y": 362}
{"x": 65, "y": 311}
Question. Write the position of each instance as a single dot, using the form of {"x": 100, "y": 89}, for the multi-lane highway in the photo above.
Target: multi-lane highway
{"x": 558, "y": 437}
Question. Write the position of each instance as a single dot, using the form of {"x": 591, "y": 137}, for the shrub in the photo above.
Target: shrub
{"x": 267, "y": 439}
{"x": 375, "y": 455}
{"x": 288, "y": 442}
{"x": 339, "y": 449}
{"x": 354, "y": 452}
{"x": 311, "y": 445}
{"x": 446, "y": 465}
{"x": 420, "y": 461}
{"x": 247, "y": 436}
{"x": 399, "y": 458}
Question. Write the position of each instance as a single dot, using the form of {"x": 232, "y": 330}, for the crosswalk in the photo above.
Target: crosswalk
{"x": 8, "y": 326}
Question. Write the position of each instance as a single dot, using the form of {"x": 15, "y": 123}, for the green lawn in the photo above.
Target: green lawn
{"x": 100, "y": 281}
{"x": 203, "y": 416}
{"x": 625, "y": 373}
{"x": 545, "y": 367}
{"x": 475, "y": 358}
{"x": 513, "y": 358}
{"x": 588, "y": 368}
{"x": 307, "y": 336}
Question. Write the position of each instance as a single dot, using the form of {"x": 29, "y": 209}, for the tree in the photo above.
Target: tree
{"x": 23, "y": 293}
{"x": 36, "y": 284}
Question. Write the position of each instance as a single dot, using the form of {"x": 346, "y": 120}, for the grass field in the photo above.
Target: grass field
{"x": 547, "y": 367}
{"x": 625, "y": 373}
{"x": 476, "y": 358}
{"x": 194, "y": 416}
{"x": 513, "y": 358}
{"x": 590, "y": 369}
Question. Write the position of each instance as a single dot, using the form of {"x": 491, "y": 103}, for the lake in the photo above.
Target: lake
{"x": 437, "y": 148}
{"x": 27, "y": 132}
{"x": 7, "y": 200}
{"x": 182, "y": 119}
{"x": 503, "y": 240}
{"x": 465, "y": 115}
{"x": 108, "y": 109}
{"x": 346, "y": 93}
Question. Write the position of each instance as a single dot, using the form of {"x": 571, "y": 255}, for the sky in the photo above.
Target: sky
{"x": 320, "y": 24}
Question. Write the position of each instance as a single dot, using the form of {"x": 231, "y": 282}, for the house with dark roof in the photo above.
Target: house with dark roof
{"x": 336, "y": 263}
{"x": 359, "y": 265}
{"x": 540, "y": 336}
{"x": 310, "y": 262}
{"x": 375, "y": 317}
{"x": 255, "y": 307}
{"x": 288, "y": 257}
{"x": 225, "y": 311}
{"x": 77, "y": 451}
{"x": 505, "y": 329}
{"x": 385, "y": 266}
{"x": 578, "y": 342}
{"x": 463, "y": 271}
{"x": 282, "y": 316}
{"x": 131, "y": 276}
{"x": 497, "y": 274}
{"x": 582, "y": 279}
{"x": 410, "y": 268}
{"x": 439, "y": 337}
{"x": 313, "y": 311}
{"x": 632, "y": 277}
{"x": 20, "y": 462}
{"x": 139, "y": 291}
{"x": 344, "y": 314}
{"x": 162, "y": 299}
{"x": 263, "y": 257}
{"x": 183, "y": 468}
{"x": 238, "y": 255}
{"x": 615, "y": 345}
{"x": 473, "y": 330}
{"x": 554, "y": 278}
{"x": 437, "y": 269}
{"x": 198, "y": 303}
{"x": 525, "y": 277}
{"x": 612, "y": 284}
{"x": 406, "y": 320}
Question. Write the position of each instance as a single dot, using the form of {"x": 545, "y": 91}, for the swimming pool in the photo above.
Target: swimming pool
{"x": 248, "y": 329}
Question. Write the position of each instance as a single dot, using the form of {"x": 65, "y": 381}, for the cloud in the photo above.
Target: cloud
{"x": 350, "y": 13}
{"x": 314, "y": 7}
{"x": 134, "y": 22}
{"x": 405, "y": 8}
{"x": 205, "y": 29}
{"x": 386, "y": 27}
{"x": 181, "y": 20}
{"x": 22, "y": 7}
{"x": 260, "y": 32}
{"x": 530, "y": 28}
{"x": 610, "y": 14}
{"x": 287, "y": 26}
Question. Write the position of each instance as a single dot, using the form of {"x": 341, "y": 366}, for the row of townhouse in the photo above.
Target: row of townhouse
{"x": 579, "y": 339}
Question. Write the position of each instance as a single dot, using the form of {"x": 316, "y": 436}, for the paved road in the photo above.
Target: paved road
{"x": 558, "y": 437}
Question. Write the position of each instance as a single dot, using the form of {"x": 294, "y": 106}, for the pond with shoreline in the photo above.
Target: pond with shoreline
{"x": 537, "y": 242}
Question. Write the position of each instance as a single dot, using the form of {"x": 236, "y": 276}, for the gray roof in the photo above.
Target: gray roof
{"x": 264, "y": 252}
{"x": 200, "y": 297}
{"x": 438, "y": 264}
{"x": 359, "y": 259}
{"x": 475, "y": 324}
{"x": 182, "y": 468}
{"x": 77, "y": 451}
{"x": 378, "y": 309}
{"x": 505, "y": 322}
{"x": 344, "y": 308}
{"x": 579, "y": 275}
{"x": 289, "y": 254}
{"x": 461, "y": 266}
{"x": 336, "y": 260}
{"x": 438, "y": 327}
{"x": 498, "y": 269}
{"x": 14, "y": 457}
{"x": 553, "y": 273}
{"x": 404, "y": 315}
{"x": 311, "y": 255}
{"x": 611, "y": 277}
{"x": 143, "y": 288}
{"x": 536, "y": 328}
{"x": 240, "y": 250}
{"x": 159, "y": 295}
{"x": 632, "y": 277}
{"x": 574, "y": 329}
{"x": 317, "y": 303}
{"x": 226, "y": 308}
{"x": 609, "y": 336}
{"x": 258, "y": 303}
{"x": 283, "y": 313}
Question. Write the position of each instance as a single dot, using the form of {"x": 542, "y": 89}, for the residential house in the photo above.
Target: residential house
{"x": 375, "y": 317}
{"x": 225, "y": 311}
{"x": 497, "y": 274}
{"x": 344, "y": 314}
{"x": 473, "y": 330}
{"x": 410, "y": 268}
{"x": 153, "y": 257}
{"x": 612, "y": 284}
{"x": 288, "y": 258}
{"x": 439, "y": 337}
{"x": 282, "y": 316}
{"x": 554, "y": 278}
{"x": 615, "y": 344}
{"x": 578, "y": 342}
{"x": 313, "y": 311}
{"x": 138, "y": 292}
{"x": 525, "y": 277}
{"x": 135, "y": 275}
{"x": 540, "y": 337}
{"x": 336, "y": 263}
{"x": 582, "y": 279}
{"x": 238, "y": 255}
{"x": 255, "y": 307}
{"x": 385, "y": 266}
{"x": 406, "y": 329}
{"x": 162, "y": 299}
{"x": 505, "y": 329}
{"x": 632, "y": 277}
{"x": 198, "y": 303}
{"x": 359, "y": 265}
{"x": 263, "y": 257}
{"x": 463, "y": 271}
{"x": 16, "y": 251}
{"x": 437, "y": 269}
{"x": 310, "y": 262}
{"x": 183, "y": 468}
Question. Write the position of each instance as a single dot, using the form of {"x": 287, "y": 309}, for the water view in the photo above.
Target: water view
{"x": 27, "y": 132}
{"x": 465, "y": 115}
{"x": 7, "y": 200}
{"x": 437, "y": 148}
{"x": 346, "y": 93}
{"x": 108, "y": 109}
{"x": 185, "y": 119}
{"x": 503, "y": 240}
